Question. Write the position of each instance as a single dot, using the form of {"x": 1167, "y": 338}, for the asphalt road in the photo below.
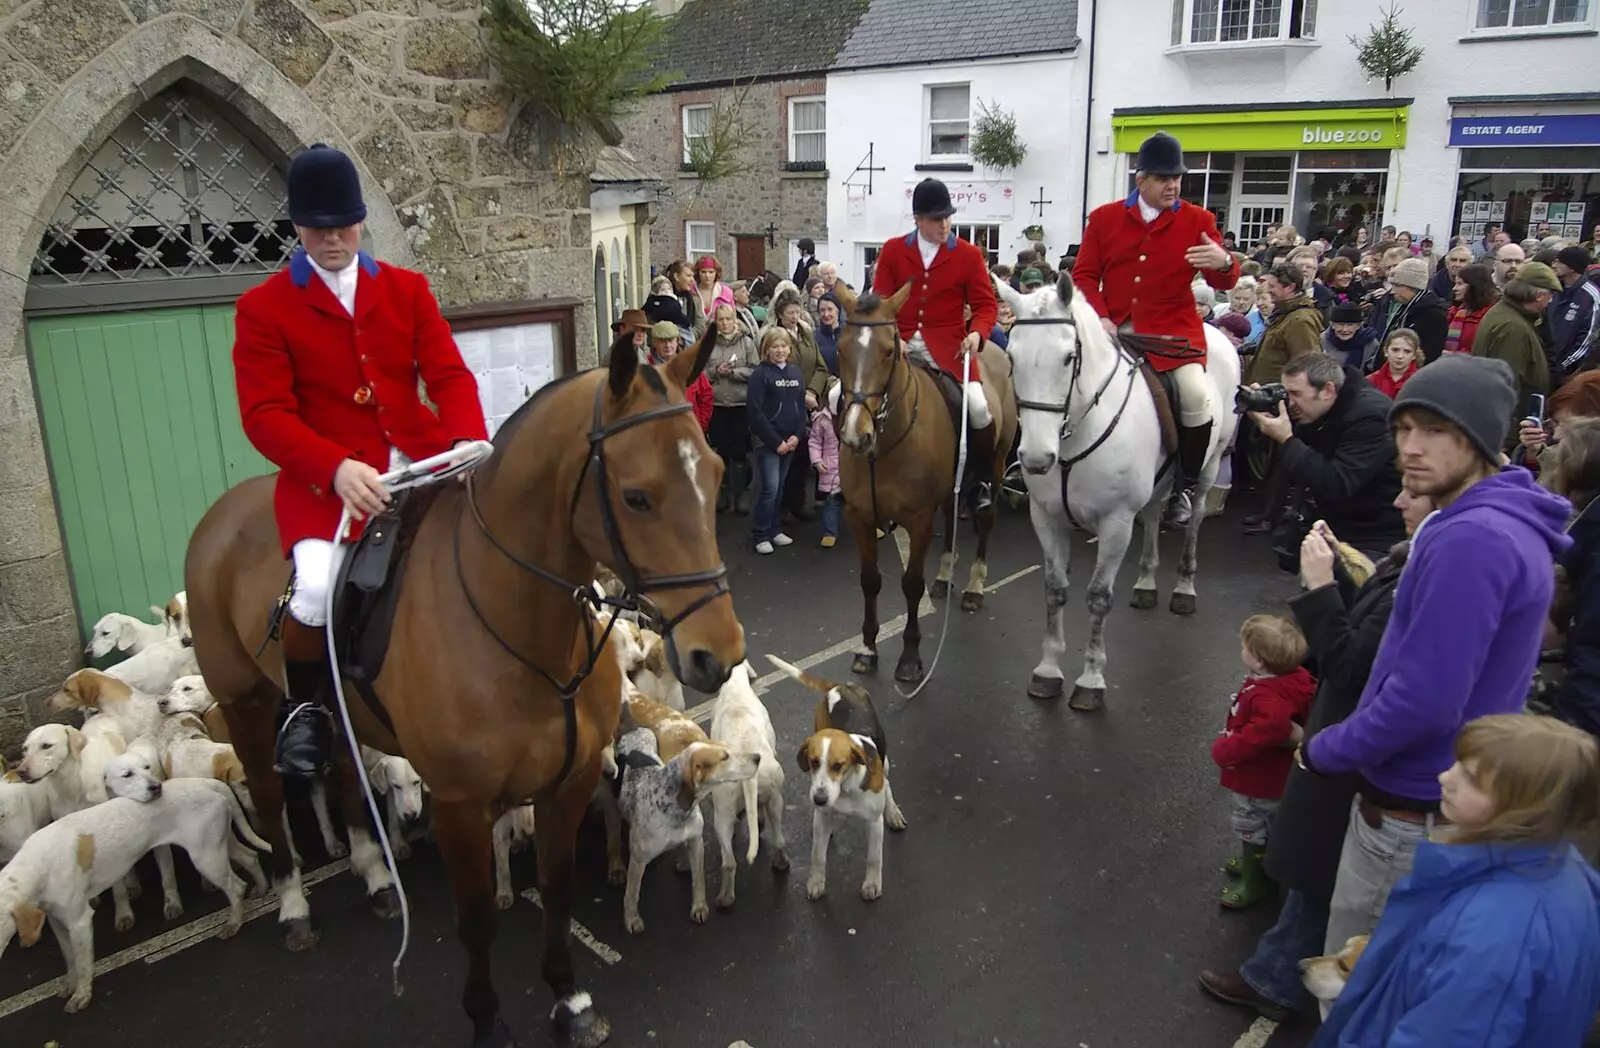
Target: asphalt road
{"x": 1055, "y": 887}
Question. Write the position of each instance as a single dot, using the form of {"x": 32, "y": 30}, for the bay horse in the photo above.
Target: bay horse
{"x": 493, "y": 623}
{"x": 897, "y": 464}
{"x": 1092, "y": 454}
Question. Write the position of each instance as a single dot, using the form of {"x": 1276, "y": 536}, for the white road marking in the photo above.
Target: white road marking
{"x": 579, "y": 932}
{"x": 168, "y": 943}
{"x": 893, "y": 628}
{"x": 1258, "y": 1034}
{"x": 689, "y": 455}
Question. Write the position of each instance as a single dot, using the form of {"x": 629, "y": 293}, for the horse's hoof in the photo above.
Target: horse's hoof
{"x": 939, "y": 589}
{"x": 499, "y": 1036}
{"x": 1144, "y": 599}
{"x": 583, "y": 1029}
{"x": 1087, "y": 700}
{"x": 909, "y": 671}
{"x": 864, "y": 663}
{"x": 971, "y": 602}
{"x": 385, "y": 903}
{"x": 1182, "y": 604}
{"x": 1045, "y": 687}
{"x": 299, "y": 935}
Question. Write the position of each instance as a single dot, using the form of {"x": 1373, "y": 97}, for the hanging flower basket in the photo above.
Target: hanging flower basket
{"x": 1034, "y": 233}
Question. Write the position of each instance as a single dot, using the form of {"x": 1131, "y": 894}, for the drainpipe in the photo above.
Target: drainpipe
{"x": 1088, "y": 121}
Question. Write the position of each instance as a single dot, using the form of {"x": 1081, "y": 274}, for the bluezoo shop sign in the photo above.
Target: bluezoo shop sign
{"x": 1567, "y": 129}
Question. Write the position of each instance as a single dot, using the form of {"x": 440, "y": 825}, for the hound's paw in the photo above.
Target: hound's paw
{"x": 336, "y": 849}
{"x": 816, "y": 888}
{"x": 871, "y": 891}
{"x": 229, "y": 930}
{"x": 895, "y": 819}
{"x": 617, "y": 874}
{"x": 124, "y": 922}
{"x": 780, "y": 861}
{"x": 699, "y": 913}
{"x": 79, "y": 1002}
{"x": 635, "y": 925}
{"x": 725, "y": 901}
{"x": 402, "y": 850}
{"x": 172, "y": 909}
{"x": 504, "y": 900}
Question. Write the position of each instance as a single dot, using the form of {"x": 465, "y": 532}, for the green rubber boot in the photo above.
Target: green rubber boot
{"x": 1253, "y": 884}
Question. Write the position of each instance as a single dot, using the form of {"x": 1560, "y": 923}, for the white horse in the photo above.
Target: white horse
{"x": 1085, "y": 408}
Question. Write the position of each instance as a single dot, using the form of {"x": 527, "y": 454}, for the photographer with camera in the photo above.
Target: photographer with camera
{"x": 1332, "y": 430}
{"x": 1294, "y": 330}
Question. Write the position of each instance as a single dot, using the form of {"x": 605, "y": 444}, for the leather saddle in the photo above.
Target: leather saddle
{"x": 1163, "y": 385}
{"x": 367, "y": 591}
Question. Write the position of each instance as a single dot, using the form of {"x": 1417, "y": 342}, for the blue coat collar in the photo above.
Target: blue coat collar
{"x": 300, "y": 270}
{"x": 1133, "y": 201}
{"x": 950, "y": 244}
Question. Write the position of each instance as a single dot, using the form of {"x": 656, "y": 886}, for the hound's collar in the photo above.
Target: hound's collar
{"x": 300, "y": 270}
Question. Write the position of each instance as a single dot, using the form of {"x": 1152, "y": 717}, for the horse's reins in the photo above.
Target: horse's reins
{"x": 584, "y": 595}
{"x": 886, "y": 402}
{"x": 1064, "y": 409}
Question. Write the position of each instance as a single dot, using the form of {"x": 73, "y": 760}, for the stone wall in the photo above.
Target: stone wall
{"x": 454, "y": 183}
{"x": 793, "y": 201}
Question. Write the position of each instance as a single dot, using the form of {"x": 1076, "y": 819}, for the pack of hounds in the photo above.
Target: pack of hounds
{"x": 150, "y": 767}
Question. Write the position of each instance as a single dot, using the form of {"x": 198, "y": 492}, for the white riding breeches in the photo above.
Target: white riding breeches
{"x": 316, "y": 562}
{"x": 978, "y": 412}
{"x": 1194, "y": 395}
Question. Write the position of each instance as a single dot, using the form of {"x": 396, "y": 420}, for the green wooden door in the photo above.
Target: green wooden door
{"x": 141, "y": 426}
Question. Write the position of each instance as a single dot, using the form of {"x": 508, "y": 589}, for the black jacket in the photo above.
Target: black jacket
{"x": 1343, "y": 628}
{"x": 1443, "y": 285}
{"x": 1426, "y": 314}
{"x": 1578, "y": 701}
{"x": 667, "y": 307}
{"x": 1346, "y": 460}
{"x": 802, "y": 269}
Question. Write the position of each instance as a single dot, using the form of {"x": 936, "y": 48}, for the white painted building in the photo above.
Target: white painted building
{"x": 622, "y": 199}
{"x": 1499, "y": 122}
{"x": 902, "y": 97}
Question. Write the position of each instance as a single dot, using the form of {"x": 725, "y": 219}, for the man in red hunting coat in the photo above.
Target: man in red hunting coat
{"x": 1138, "y": 259}
{"x": 947, "y": 274}
{"x": 326, "y": 356}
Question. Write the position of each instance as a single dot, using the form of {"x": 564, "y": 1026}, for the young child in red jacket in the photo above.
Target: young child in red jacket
{"x": 1254, "y": 751}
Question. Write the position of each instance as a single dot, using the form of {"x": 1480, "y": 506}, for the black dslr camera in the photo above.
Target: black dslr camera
{"x": 1265, "y": 399}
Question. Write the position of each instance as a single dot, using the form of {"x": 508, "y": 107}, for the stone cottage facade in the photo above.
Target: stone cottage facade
{"x": 453, "y": 178}
{"x": 775, "y": 54}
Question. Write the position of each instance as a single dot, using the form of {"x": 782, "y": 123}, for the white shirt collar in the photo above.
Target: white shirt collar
{"x": 929, "y": 250}
{"x": 342, "y": 282}
{"x": 1147, "y": 212}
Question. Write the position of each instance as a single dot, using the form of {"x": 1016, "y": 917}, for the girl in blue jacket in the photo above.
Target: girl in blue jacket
{"x": 776, "y": 411}
{"x": 1494, "y": 939}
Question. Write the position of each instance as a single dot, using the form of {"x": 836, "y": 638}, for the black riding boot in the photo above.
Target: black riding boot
{"x": 1193, "y": 443}
{"x": 305, "y": 720}
{"x": 980, "y": 467}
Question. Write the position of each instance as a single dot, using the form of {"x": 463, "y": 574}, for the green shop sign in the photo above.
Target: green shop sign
{"x": 1266, "y": 130}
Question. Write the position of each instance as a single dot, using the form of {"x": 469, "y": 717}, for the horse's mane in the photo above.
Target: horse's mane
{"x": 1087, "y": 321}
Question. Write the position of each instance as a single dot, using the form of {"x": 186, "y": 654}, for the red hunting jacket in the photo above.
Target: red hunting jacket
{"x": 1251, "y": 752}
{"x": 959, "y": 276}
{"x": 317, "y": 386}
{"x": 1131, "y": 270}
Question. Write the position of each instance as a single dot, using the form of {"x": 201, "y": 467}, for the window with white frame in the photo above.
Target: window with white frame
{"x": 949, "y": 119}
{"x": 696, "y": 130}
{"x": 1240, "y": 21}
{"x": 1532, "y": 14}
{"x": 808, "y": 131}
{"x": 700, "y": 238}
{"x": 984, "y": 238}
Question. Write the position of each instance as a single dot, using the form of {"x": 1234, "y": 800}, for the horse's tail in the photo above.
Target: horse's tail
{"x": 752, "y": 796}
{"x": 816, "y": 684}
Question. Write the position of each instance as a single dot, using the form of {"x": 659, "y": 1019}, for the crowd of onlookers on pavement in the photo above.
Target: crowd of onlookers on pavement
{"x": 1412, "y": 756}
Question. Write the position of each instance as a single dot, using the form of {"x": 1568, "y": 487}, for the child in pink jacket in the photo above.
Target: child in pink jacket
{"x": 824, "y": 444}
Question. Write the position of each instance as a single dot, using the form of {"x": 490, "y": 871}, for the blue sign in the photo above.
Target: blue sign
{"x": 1572, "y": 129}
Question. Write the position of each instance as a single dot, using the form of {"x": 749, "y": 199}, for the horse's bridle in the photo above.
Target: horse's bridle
{"x": 633, "y": 580}
{"x": 1064, "y": 409}
{"x": 849, "y": 398}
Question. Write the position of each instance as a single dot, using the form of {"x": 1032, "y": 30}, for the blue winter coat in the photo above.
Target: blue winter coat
{"x": 1483, "y": 946}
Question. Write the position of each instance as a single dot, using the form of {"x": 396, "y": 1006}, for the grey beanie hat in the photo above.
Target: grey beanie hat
{"x": 1476, "y": 394}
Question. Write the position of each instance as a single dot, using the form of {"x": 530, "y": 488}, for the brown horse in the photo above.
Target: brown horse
{"x": 900, "y": 443}
{"x": 493, "y": 621}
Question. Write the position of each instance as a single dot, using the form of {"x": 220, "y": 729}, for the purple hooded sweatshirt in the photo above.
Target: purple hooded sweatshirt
{"x": 1463, "y": 639}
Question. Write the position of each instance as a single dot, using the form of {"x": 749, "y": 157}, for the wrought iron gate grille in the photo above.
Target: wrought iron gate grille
{"x": 175, "y": 191}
